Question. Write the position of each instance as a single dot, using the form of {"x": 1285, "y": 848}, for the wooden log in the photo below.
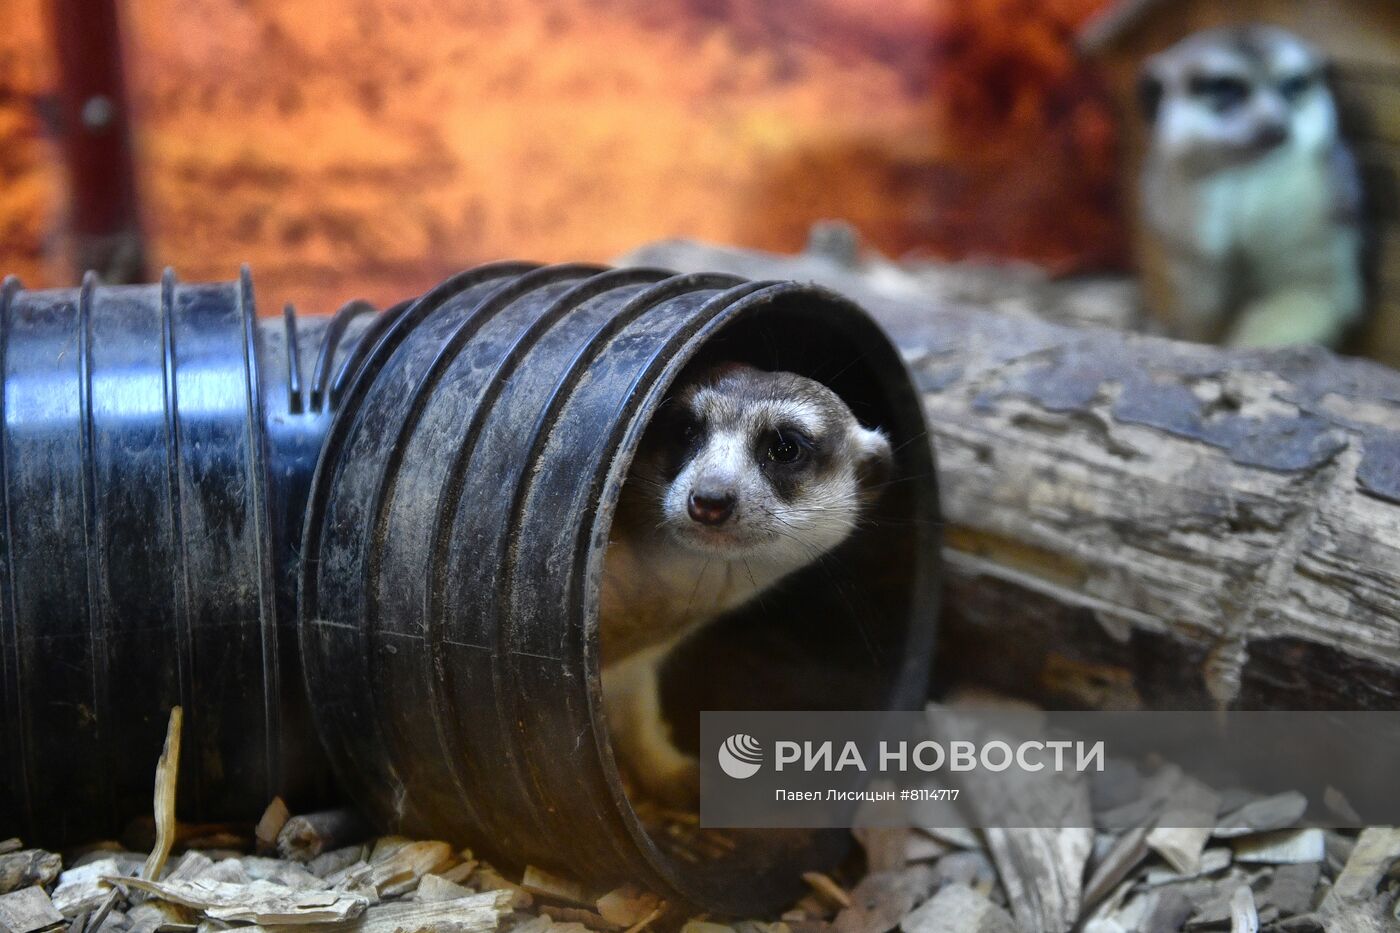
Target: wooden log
{"x": 1139, "y": 523}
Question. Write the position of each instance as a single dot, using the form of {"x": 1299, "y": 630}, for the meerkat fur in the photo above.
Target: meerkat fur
{"x": 743, "y": 478}
{"x": 1250, "y": 201}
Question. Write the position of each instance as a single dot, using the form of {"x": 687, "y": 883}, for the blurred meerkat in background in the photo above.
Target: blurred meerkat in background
{"x": 1251, "y": 203}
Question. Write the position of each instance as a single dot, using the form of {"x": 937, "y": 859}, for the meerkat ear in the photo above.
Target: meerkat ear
{"x": 874, "y": 458}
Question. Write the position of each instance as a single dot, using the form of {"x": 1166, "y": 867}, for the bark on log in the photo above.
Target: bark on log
{"x": 1135, "y": 522}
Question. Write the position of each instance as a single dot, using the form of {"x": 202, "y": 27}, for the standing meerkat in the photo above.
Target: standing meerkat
{"x": 1250, "y": 218}
{"x": 744, "y": 477}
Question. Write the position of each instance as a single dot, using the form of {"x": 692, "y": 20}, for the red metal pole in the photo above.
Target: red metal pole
{"x": 96, "y": 139}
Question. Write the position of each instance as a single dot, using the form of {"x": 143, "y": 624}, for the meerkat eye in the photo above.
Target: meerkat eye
{"x": 1223, "y": 92}
{"x": 786, "y": 447}
{"x": 683, "y": 431}
{"x": 1294, "y": 86}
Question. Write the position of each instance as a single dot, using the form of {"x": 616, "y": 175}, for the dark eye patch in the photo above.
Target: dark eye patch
{"x": 1222, "y": 92}
{"x": 1295, "y": 86}
{"x": 687, "y": 432}
{"x": 787, "y": 447}
{"x": 1149, "y": 95}
{"x": 686, "y": 428}
{"x": 674, "y": 437}
{"x": 783, "y": 455}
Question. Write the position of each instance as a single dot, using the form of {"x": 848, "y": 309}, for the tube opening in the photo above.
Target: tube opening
{"x": 849, "y": 629}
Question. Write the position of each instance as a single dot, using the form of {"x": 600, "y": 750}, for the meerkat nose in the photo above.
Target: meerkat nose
{"x": 1271, "y": 135}
{"x": 711, "y": 508}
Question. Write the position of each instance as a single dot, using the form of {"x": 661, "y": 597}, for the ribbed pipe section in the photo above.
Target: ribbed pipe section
{"x": 454, "y": 542}
{"x": 135, "y": 550}
{"x": 154, "y": 473}
{"x": 387, "y": 530}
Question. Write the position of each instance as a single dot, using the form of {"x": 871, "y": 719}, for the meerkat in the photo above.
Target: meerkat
{"x": 1250, "y": 201}
{"x": 744, "y": 477}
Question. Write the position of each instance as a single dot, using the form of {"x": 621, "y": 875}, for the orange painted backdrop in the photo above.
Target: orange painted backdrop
{"x": 32, "y": 190}
{"x": 371, "y": 147}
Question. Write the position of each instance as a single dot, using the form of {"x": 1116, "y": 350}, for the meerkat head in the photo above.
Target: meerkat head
{"x": 1225, "y": 97}
{"x": 769, "y": 467}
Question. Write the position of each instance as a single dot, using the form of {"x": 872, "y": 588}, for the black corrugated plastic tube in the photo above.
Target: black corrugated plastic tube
{"x": 468, "y": 449}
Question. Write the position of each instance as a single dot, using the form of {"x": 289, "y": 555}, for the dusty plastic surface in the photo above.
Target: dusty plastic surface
{"x": 154, "y": 465}
{"x": 454, "y": 541}
{"x": 158, "y": 451}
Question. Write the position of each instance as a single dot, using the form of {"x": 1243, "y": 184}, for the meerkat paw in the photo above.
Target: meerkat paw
{"x": 669, "y": 776}
{"x": 1291, "y": 317}
{"x": 641, "y": 737}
